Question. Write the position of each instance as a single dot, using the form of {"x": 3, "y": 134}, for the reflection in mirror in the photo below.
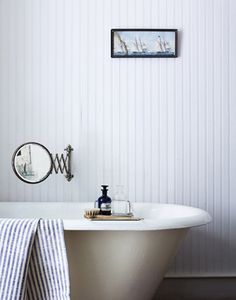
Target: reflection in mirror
{"x": 32, "y": 162}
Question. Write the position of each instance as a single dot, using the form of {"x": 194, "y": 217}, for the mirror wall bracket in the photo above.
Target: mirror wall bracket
{"x": 62, "y": 163}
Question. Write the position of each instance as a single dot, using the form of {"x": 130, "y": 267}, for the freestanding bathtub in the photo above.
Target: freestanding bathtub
{"x": 120, "y": 260}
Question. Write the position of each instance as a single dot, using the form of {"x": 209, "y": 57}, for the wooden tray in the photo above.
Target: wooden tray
{"x": 113, "y": 218}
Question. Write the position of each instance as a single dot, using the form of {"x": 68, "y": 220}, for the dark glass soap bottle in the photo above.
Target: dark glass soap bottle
{"x": 104, "y": 202}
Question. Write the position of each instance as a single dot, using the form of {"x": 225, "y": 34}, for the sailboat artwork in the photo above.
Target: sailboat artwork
{"x": 144, "y": 43}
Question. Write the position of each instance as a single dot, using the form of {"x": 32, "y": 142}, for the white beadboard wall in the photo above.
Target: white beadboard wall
{"x": 164, "y": 128}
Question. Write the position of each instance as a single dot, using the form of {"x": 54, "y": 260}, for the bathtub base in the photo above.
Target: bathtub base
{"x": 115, "y": 265}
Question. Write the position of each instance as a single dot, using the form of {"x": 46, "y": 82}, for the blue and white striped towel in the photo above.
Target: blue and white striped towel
{"x": 33, "y": 262}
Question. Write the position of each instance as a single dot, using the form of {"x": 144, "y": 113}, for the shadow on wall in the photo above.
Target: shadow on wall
{"x": 202, "y": 240}
{"x": 211, "y": 288}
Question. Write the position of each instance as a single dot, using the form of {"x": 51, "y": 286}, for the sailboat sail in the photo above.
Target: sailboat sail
{"x": 120, "y": 45}
{"x": 160, "y": 46}
{"x": 136, "y": 44}
{"x": 142, "y": 45}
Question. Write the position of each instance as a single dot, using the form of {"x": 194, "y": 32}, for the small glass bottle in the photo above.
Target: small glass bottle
{"x": 104, "y": 202}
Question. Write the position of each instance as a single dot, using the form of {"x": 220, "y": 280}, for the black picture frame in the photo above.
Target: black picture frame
{"x": 142, "y": 53}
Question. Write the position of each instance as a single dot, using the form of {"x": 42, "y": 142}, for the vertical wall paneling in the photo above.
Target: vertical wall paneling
{"x": 163, "y": 128}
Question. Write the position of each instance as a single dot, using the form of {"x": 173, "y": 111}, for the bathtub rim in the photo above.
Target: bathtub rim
{"x": 199, "y": 217}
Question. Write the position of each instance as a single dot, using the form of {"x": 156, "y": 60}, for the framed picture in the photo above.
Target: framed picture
{"x": 143, "y": 43}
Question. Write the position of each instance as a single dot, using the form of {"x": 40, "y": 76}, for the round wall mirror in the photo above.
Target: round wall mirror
{"x": 32, "y": 162}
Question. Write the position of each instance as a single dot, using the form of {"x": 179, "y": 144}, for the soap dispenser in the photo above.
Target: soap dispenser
{"x": 104, "y": 202}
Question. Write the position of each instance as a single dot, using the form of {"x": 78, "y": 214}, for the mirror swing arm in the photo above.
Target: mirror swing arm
{"x": 62, "y": 163}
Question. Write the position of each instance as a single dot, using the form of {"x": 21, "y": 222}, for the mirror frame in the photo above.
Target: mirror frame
{"x": 13, "y": 162}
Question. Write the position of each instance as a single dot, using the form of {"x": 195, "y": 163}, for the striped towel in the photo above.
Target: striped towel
{"x": 33, "y": 262}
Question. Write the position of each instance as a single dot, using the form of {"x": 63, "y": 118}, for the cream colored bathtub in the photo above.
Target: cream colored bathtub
{"x": 116, "y": 260}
